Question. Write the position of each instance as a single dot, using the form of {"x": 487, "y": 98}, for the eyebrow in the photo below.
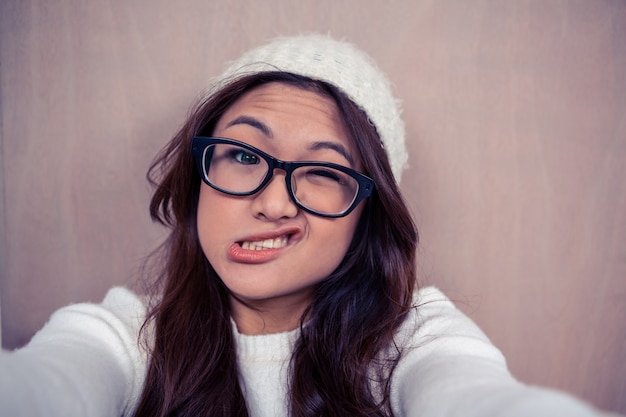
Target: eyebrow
{"x": 337, "y": 147}
{"x": 251, "y": 121}
{"x": 265, "y": 129}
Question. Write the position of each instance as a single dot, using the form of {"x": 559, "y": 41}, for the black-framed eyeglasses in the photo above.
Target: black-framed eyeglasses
{"x": 321, "y": 188}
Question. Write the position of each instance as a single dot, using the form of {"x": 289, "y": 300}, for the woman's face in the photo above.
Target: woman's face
{"x": 272, "y": 287}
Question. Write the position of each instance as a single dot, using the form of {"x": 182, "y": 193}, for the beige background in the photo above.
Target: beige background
{"x": 516, "y": 118}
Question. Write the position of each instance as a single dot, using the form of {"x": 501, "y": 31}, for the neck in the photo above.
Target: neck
{"x": 268, "y": 316}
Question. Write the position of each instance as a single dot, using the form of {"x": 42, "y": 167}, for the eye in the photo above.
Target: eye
{"x": 324, "y": 173}
{"x": 320, "y": 174}
{"x": 244, "y": 157}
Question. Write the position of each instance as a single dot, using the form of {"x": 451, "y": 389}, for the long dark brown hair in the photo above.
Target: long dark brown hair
{"x": 344, "y": 358}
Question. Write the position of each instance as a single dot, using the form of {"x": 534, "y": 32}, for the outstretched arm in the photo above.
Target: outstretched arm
{"x": 86, "y": 361}
{"x": 450, "y": 369}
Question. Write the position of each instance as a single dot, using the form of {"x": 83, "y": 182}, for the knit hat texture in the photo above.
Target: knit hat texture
{"x": 341, "y": 64}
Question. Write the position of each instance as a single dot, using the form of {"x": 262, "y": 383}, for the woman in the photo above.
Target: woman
{"x": 287, "y": 284}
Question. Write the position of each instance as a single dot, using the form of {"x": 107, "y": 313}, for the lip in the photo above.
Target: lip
{"x": 238, "y": 254}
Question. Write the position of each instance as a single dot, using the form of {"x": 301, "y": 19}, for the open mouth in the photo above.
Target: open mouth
{"x": 276, "y": 243}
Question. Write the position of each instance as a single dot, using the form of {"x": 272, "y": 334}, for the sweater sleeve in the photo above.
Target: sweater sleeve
{"x": 449, "y": 368}
{"x": 86, "y": 361}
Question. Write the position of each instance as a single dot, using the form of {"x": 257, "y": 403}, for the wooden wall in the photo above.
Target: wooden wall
{"x": 516, "y": 118}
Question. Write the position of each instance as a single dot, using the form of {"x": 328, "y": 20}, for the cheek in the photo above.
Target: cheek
{"x": 333, "y": 238}
{"x": 213, "y": 219}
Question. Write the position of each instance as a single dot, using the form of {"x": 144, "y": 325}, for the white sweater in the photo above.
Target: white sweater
{"x": 86, "y": 362}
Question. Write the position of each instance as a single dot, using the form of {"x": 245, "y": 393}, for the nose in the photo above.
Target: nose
{"x": 273, "y": 201}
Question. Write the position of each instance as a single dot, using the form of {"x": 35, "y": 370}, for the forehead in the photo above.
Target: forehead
{"x": 286, "y": 120}
{"x": 287, "y": 106}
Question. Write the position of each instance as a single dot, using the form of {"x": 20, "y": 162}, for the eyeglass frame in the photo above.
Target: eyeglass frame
{"x": 199, "y": 144}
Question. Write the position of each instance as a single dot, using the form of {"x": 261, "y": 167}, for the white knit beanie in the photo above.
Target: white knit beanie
{"x": 338, "y": 63}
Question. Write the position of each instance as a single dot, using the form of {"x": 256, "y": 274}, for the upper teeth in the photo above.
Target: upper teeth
{"x": 279, "y": 242}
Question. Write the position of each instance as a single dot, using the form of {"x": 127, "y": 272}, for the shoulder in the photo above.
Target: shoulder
{"x": 436, "y": 322}
{"x": 125, "y": 305}
{"x": 121, "y": 313}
